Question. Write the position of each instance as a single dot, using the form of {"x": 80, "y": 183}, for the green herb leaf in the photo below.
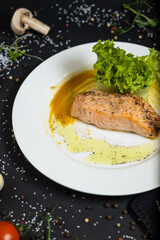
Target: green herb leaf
{"x": 14, "y": 51}
{"x": 125, "y": 72}
{"x": 142, "y": 20}
{"x": 23, "y": 228}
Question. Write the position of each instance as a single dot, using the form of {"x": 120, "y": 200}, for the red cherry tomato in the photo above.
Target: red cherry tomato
{"x": 8, "y": 231}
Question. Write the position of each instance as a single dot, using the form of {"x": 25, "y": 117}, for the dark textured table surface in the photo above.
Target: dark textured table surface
{"x": 26, "y": 191}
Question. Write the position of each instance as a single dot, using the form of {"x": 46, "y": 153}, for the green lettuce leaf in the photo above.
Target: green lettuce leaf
{"x": 125, "y": 72}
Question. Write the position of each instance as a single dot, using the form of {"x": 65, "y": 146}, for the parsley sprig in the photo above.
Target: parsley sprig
{"x": 140, "y": 19}
{"x": 15, "y": 51}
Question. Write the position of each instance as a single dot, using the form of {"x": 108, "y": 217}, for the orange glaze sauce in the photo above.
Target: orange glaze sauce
{"x": 61, "y": 103}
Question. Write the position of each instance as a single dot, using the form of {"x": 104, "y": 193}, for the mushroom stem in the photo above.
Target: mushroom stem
{"x": 35, "y": 24}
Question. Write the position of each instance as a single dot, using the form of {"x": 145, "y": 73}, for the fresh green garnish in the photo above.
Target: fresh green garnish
{"x": 141, "y": 20}
{"x": 23, "y": 228}
{"x": 125, "y": 72}
{"x": 15, "y": 51}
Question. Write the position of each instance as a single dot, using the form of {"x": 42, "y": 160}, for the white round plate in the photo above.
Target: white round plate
{"x": 30, "y": 120}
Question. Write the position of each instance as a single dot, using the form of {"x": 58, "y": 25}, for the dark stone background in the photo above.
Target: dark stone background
{"x": 19, "y": 198}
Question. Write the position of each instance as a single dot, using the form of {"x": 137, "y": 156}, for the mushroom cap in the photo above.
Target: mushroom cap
{"x": 1, "y": 182}
{"x": 17, "y": 24}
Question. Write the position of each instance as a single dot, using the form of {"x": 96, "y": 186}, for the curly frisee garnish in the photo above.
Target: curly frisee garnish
{"x": 125, "y": 72}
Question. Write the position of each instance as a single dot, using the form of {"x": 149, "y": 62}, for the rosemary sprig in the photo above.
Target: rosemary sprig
{"x": 15, "y": 51}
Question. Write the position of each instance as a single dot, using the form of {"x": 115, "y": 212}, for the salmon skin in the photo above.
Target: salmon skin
{"x": 116, "y": 111}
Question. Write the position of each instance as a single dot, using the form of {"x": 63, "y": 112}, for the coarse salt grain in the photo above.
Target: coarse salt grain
{"x": 4, "y": 61}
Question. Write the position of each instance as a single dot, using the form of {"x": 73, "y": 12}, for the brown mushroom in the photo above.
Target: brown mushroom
{"x": 23, "y": 19}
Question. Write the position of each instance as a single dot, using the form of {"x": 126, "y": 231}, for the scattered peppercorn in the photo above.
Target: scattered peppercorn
{"x": 11, "y": 8}
{"x": 89, "y": 207}
{"x": 144, "y": 236}
{"x": 92, "y": 19}
{"x": 13, "y": 136}
{"x": 61, "y": 38}
{"x": 125, "y": 212}
{"x": 17, "y": 80}
{"x": 67, "y": 235}
{"x": 132, "y": 228}
{"x": 25, "y": 65}
{"x": 25, "y": 180}
{"x": 115, "y": 38}
{"x": 56, "y": 221}
{"x": 133, "y": 223}
{"x": 107, "y": 205}
{"x": 82, "y": 15}
{"x": 35, "y": 11}
{"x": 73, "y": 195}
{"x": 140, "y": 36}
{"x": 142, "y": 30}
{"x": 109, "y": 217}
{"x": 86, "y": 220}
{"x": 3, "y": 213}
{"x": 22, "y": 197}
{"x": 62, "y": 224}
{"x": 115, "y": 205}
{"x": 118, "y": 225}
{"x": 6, "y": 217}
{"x": 131, "y": 235}
{"x": 127, "y": 21}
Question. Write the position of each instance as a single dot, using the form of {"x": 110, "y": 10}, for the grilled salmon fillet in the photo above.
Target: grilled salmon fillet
{"x": 116, "y": 111}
